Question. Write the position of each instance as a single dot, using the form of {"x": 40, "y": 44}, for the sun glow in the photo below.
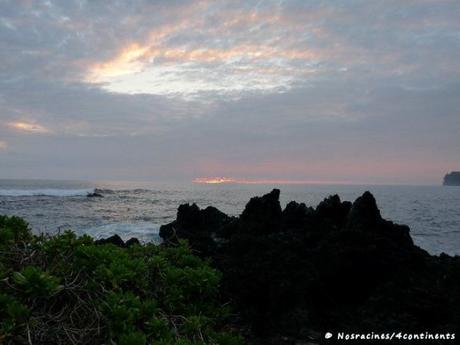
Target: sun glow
{"x": 128, "y": 61}
{"x": 29, "y": 127}
{"x": 214, "y": 180}
{"x": 228, "y": 180}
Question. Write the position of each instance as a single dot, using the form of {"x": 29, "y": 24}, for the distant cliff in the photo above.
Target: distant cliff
{"x": 452, "y": 179}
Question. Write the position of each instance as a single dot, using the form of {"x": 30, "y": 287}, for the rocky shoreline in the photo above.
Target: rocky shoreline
{"x": 339, "y": 266}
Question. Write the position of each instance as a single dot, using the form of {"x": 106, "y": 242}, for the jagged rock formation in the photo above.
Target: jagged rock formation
{"x": 339, "y": 266}
{"x": 202, "y": 228}
{"x": 452, "y": 179}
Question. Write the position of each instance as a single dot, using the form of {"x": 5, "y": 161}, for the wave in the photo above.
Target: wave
{"x": 104, "y": 191}
{"x": 46, "y": 192}
{"x": 144, "y": 231}
{"x": 113, "y": 191}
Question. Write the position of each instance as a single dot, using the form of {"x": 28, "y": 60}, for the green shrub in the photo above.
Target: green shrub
{"x": 33, "y": 282}
{"x": 134, "y": 338}
{"x": 66, "y": 289}
{"x": 13, "y": 229}
{"x": 12, "y": 313}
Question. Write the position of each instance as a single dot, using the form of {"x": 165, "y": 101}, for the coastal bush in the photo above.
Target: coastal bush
{"x": 66, "y": 289}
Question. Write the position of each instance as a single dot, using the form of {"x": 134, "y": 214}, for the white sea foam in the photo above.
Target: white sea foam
{"x": 45, "y": 192}
{"x": 144, "y": 231}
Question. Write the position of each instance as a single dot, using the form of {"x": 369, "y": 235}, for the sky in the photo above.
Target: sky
{"x": 355, "y": 91}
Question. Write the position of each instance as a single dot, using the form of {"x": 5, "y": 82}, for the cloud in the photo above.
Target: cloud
{"x": 232, "y": 53}
{"x": 224, "y": 48}
{"x": 3, "y": 145}
{"x": 28, "y": 127}
{"x": 273, "y": 90}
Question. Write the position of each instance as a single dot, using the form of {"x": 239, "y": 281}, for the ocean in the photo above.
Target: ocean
{"x": 138, "y": 209}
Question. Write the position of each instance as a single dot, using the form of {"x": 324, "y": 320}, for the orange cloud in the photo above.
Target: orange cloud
{"x": 135, "y": 57}
{"x": 29, "y": 127}
{"x": 126, "y": 62}
{"x": 132, "y": 57}
{"x": 272, "y": 61}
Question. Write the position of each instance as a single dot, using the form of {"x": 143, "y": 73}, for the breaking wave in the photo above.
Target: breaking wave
{"x": 143, "y": 231}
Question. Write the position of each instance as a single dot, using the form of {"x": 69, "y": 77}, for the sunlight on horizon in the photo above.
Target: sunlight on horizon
{"x": 227, "y": 180}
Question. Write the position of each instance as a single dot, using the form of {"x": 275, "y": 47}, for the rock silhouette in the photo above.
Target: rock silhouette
{"x": 202, "y": 228}
{"x": 338, "y": 266}
{"x": 114, "y": 239}
{"x": 452, "y": 179}
{"x": 94, "y": 195}
{"x": 118, "y": 241}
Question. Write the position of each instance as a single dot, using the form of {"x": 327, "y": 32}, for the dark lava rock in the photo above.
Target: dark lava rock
{"x": 262, "y": 215}
{"x": 332, "y": 209}
{"x": 204, "y": 229}
{"x": 115, "y": 239}
{"x": 132, "y": 241}
{"x": 295, "y": 215}
{"x": 94, "y": 195}
{"x": 339, "y": 266}
{"x": 364, "y": 214}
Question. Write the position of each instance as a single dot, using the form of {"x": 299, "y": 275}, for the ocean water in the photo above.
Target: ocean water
{"x": 138, "y": 208}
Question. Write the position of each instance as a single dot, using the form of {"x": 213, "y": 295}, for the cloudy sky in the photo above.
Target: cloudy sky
{"x": 354, "y": 91}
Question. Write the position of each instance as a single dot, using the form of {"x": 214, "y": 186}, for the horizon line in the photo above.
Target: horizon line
{"x": 227, "y": 181}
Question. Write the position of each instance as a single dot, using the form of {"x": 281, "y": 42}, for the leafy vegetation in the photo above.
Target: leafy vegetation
{"x": 65, "y": 289}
